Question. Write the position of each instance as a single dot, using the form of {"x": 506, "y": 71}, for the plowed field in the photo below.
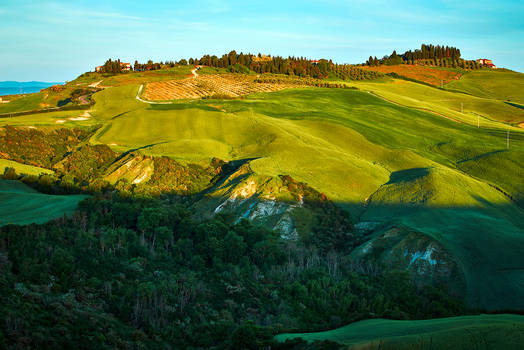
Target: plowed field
{"x": 433, "y": 76}
{"x": 232, "y": 85}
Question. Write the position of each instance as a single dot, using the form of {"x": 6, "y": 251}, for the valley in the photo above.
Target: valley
{"x": 379, "y": 174}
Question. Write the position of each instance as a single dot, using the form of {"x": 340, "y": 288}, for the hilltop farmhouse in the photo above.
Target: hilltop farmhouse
{"x": 125, "y": 67}
{"x": 485, "y": 62}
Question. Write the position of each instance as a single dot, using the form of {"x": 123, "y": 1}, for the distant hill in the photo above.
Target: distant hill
{"x": 24, "y": 87}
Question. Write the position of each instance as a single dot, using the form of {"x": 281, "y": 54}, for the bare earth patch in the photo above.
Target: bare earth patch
{"x": 84, "y": 116}
{"x": 426, "y": 74}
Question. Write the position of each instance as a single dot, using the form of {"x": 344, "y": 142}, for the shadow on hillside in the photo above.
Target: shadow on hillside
{"x": 407, "y": 175}
{"x": 126, "y": 153}
{"x": 485, "y": 241}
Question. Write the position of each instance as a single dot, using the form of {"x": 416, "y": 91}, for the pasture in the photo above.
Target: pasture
{"x": 504, "y": 332}
{"x": 50, "y": 119}
{"x": 472, "y": 110}
{"x": 492, "y": 84}
{"x": 293, "y": 130}
{"x": 22, "y": 168}
{"x": 21, "y": 205}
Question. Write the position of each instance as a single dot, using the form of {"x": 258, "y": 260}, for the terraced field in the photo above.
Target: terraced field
{"x": 232, "y": 85}
{"x": 504, "y": 332}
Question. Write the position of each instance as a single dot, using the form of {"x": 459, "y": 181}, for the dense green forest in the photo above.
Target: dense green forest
{"x": 143, "y": 273}
{"x": 138, "y": 269}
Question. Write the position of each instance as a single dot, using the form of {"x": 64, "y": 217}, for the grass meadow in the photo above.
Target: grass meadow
{"x": 21, "y": 205}
{"x": 504, "y": 332}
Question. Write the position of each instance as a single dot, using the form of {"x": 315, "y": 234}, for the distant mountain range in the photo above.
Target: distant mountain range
{"x": 23, "y": 87}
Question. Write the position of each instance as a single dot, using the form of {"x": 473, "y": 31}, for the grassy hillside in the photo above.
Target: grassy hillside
{"x": 20, "y": 204}
{"x": 22, "y": 168}
{"x": 26, "y": 103}
{"x": 467, "y": 332}
{"x": 348, "y": 144}
{"x": 350, "y": 128}
{"x": 53, "y": 119}
{"x": 494, "y": 84}
{"x": 461, "y": 107}
{"x": 49, "y": 98}
{"x": 469, "y": 219}
{"x": 352, "y": 145}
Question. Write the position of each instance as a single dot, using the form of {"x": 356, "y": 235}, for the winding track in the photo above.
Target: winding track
{"x": 193, "y": 72}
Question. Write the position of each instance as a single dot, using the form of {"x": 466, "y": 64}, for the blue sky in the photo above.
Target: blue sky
{"x": 58, "y": 40}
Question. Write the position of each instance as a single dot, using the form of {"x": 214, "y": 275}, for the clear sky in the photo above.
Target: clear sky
{"x": 58, "y": 40}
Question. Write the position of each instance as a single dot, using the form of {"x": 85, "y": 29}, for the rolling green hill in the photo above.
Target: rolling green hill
{"x": 21, "y": 205}
{"x": 467, "y": 332}
{"x": 425, "y": 178}
{"x": 350, "y": 144}
{"x": 486, "y": 110}
{"x": 493, "y": 84}
{"x": 360, "y": 148}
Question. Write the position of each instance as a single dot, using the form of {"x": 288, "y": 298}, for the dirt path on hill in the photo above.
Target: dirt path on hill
{"x": 194, "y": 71}
{"x": 94, "y": 85}
{"x": 150, "y": 102}
{"x": 83, "y": 100}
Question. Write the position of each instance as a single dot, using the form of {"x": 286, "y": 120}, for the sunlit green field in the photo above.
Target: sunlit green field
{"x": 295, "y": 131}
{"x": 55, "y": 119}
{"x": 27, "y": 103}
{"x": 493, "y": 84}
{"x": 467, "y": 332}
{"x": 484, "y": 110}
{"x": 20, "y": 204}
{"x": 22, "y": 168}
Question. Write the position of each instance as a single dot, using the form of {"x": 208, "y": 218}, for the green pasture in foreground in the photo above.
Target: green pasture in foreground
{"x": 505, "y": 332}
{"x": 23, "y": 168}
{"x": 20, "y": 204}
{"x": 494, "y": 84}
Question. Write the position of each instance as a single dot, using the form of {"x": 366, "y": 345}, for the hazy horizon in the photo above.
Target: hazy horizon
{"x": 57, "y": 40}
